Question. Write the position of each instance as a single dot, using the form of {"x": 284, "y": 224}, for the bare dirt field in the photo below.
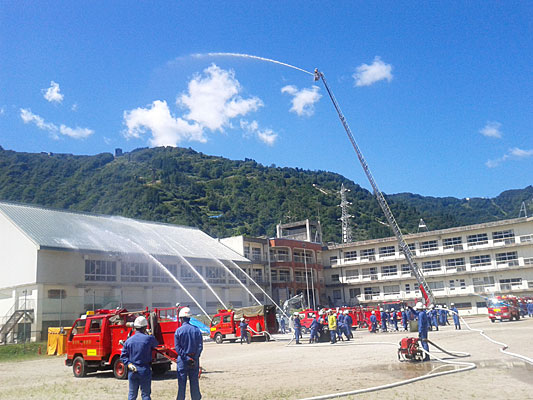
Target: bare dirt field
{"x": 275, "y": 370}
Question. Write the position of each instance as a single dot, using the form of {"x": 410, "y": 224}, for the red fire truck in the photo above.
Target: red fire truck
{"x": 261, "y": 322}
{"x": 95, "y": 341}
{"x": 503, "y": 308}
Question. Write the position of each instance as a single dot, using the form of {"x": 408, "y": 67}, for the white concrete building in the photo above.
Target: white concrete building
{"x": 59, "y": 264}
{"x": 463, "y": 265}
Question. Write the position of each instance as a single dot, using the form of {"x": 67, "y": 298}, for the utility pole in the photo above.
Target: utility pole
{"x": 306, "y": 278}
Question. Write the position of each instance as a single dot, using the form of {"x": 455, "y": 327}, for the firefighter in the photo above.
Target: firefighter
{"x": 394, "y": 318}
{"x": 455, "y": 315}
{"x": 297, "y": 327}
{"x": 404, "y": 319}
{"x": 348, "y": 322}
{"x": 282, "y": 325}
{"x": 442, "y": 318}
{"x": 374, "y": 322}
{"x": 383, "y": 320}
{"x": 332, "y": 325}
{"x": 189, "y": 345}
{"x": 530, "y": 308}
{"x": 314, "y": 330}
{"x": 244, "y": 331}
{"x": 433, "y": 315}
{"x": 137, "y": 357}
{"x": 422, "y": 327}
{"x": 340, "y": 324}
{"x": 446, "y": 315}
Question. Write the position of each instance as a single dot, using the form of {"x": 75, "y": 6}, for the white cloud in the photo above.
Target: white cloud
{"x": 74, "y": 107}
{"x": 367, "y": 75}
{"x": 267, "y": 136}
{"x": 107, "y": 140}
{"x": 303, "y": 101}
{"x": 166, "y": 129}
{"x": 2, "y": 110}
{"x": 513, "y": 154}
{"x": 76, "y": 133}
{"x": 52, "y": 93}
{"x": 491, "y": 129}
{"x": 213, "y": 99}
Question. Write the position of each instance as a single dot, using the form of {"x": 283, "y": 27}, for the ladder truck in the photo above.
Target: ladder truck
{"x": 424, "y": 287}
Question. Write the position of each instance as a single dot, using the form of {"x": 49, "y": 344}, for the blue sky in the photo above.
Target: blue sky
{"x": 437, "y": 94}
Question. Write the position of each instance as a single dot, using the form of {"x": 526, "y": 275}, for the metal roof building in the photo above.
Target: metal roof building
{"x": 58, "y": 264}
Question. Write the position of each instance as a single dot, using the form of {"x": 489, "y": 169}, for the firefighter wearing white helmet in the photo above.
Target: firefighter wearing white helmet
{"x": 137, "y": 356}
{"x": 423, "y": 326}
{"x": 244, "y": 331}
{"x": 189, "y": 345}
{"x": 373, "y": 322}
{"x": 297, "y": 327}
{"x": 348, "y": 322}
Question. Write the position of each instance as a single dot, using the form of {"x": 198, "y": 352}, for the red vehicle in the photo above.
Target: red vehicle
{"x": 503, "y": 308}
{"x": 261, "y": 323}
{"x": 95, "y": 341}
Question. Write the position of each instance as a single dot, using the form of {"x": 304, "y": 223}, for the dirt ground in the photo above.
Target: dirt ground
{"x": 275, "y": 370}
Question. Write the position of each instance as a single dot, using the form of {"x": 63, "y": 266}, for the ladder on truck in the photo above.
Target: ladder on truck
{"x": 424, "y": 287}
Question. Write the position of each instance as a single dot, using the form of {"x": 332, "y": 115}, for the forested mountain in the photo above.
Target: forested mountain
{"x": 225, "y": 197}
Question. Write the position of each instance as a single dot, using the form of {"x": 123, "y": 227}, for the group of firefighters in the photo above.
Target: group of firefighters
{"x": 137, "y": 357}
{"x": 338, "y": 323}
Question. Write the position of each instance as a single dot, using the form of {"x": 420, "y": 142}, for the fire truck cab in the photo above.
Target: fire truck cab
{"x": 95, "y": 341}
{"x": 261, "y": 322}
{"x": 503, "y": 308}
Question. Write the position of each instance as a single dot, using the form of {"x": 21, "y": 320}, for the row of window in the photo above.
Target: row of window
{"x": 457, "y": 264}
{"x": 480, "y": 285}
{"x": 456, "y": 243}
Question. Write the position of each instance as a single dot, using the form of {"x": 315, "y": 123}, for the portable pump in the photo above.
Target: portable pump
{"x": 410, "y": 350}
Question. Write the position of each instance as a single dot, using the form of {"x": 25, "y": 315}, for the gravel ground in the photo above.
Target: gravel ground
{"x": 275, "y": 370}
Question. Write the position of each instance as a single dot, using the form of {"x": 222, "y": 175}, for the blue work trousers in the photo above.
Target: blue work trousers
{"x": 333, "y": 336}
{"x": 184, "y": 372}
{"x": 314, "y": 335}
{"x": 297, "y": 335}
{"x": 136, "y": 381}
{"x": 424, "y": 344}
{"x": 347, "y": 331}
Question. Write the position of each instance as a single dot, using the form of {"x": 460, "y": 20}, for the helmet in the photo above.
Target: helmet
{"x": 419, "y": 306}
{"x": 373, "y": 312}
{"x": 177, "y": 305}
{"x": 345, "y": 312}
{"x": 432, "y": 306}
{"x": 185, "y": 312}
{"x": 321, "y": 312}
{"x": 242, "y": 319}
{"x": 392, "y": 309}
{"x": 381, "y": 309}
{"x": 445, "y": 306}
{"x": 452, "y": 304}
{"x": 140, "y": 322}
{"x": 295, "y": 313}
{"x": 402, "y": 309}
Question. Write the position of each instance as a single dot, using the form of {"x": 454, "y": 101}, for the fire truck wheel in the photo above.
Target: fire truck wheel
{"x": 517, "y": 317}
{"x": 492, "y": 320}
{"x": 218, "y": 338}
{"x": 119, "y": 369}
{"x": 79, "y": 367}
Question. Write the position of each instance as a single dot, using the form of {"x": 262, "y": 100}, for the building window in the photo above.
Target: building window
{"x": 100, "y": 270}
{"x": 389, "y": 270}
{"x": 406, "y": 270}
{"x": 431, "y": 266}
{"x": 455, "y": 243}
{"x": 350, "y": 255}
{"x": 215, "y": 275}
{"x": 134, "y": 272}
{"x": 436, "y": 286}
{"x": 352, "y": 274}
{"x": 510, "y": 258}
{"x": 256, "y": 254}
{"x": 511, "y": 283}
{"x": 371, "y": 291}
{"x": 481, "y": 304}
{"x": 247, "y": 252}
{"x": 187, "y": 274}
{"x": 477, "y": 239}
{"x": 371, "y": 273}
{"x": 457, "y": 264}
{"x": 387, "y": 251}
{"x": 391, "y": 290}
{"x": 462, "y": 283}
{"x": 407, "y": 288}
{"x": 430, "y": 245}
{"x": 333, "y": 260}
{"x": 279, "y": 255}
{"x": 463, "y": 305}
{"x": 480, "y": 261}
{"x": 285, "y": 275}
{"x": 336, "y": 295}
{"x": 257, "y": 275}
{"x": 506, "y": 237}
{"x": 161, "y": 275}
{"x": 452, "y": 284}
{"x": 481, "y": 284}
{"x": 57, "y": 294}
{"x": 355, "y": 292}
{"x": 368, "y": 254}
{"x": 526, "y": 239}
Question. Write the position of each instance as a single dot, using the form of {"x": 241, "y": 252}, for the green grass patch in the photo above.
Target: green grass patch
{"x": 21, "y": 352}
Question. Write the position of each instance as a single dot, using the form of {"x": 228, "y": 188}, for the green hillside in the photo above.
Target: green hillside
{"x": 225, "y": 197}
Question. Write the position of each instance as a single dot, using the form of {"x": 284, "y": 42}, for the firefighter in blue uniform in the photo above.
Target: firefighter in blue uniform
{"x": 374, "y": 322}
{"x": 434, "y": 316}
{"x": 394, "y": 317}
{"x": 404, "y": 319}
{"x": 314, "y": 330}
{"x": 137, "y": 357}
{"x": 383, "y": 320}
{"x": 189, "y": 346}
{"x": 423, "y": 326}
{"x": 340, "y": 324}
{"x": 297, "y": 327}
{"x": 455, "y": 316}
{"x": 244, "y": 331}
{"x": 348, "y": 322}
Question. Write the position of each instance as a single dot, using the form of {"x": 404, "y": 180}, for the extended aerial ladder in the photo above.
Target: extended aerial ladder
{"x": 424, "y": 287}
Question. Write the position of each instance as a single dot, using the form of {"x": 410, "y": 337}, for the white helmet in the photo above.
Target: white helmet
{"x": 402, "y": 309}
{"x": 295, "y": 313}
{"x": 345, "y": 312}
{"x": 321, "y": 312}
{"x": 373, "y": 312}
{"x": 445, "y": 306}
{"x": 185, "y": 312}
{"x": 140, "y": 322}
{"x": 381, "y": 309}
{"x": 242, "y": 319}
{"x": 452, "y": 304}
{"x": 392, "y": 309}
{"x": 419, "y": 306}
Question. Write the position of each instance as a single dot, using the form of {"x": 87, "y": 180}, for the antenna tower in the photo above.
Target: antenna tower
{"x": 345, "y": 217}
